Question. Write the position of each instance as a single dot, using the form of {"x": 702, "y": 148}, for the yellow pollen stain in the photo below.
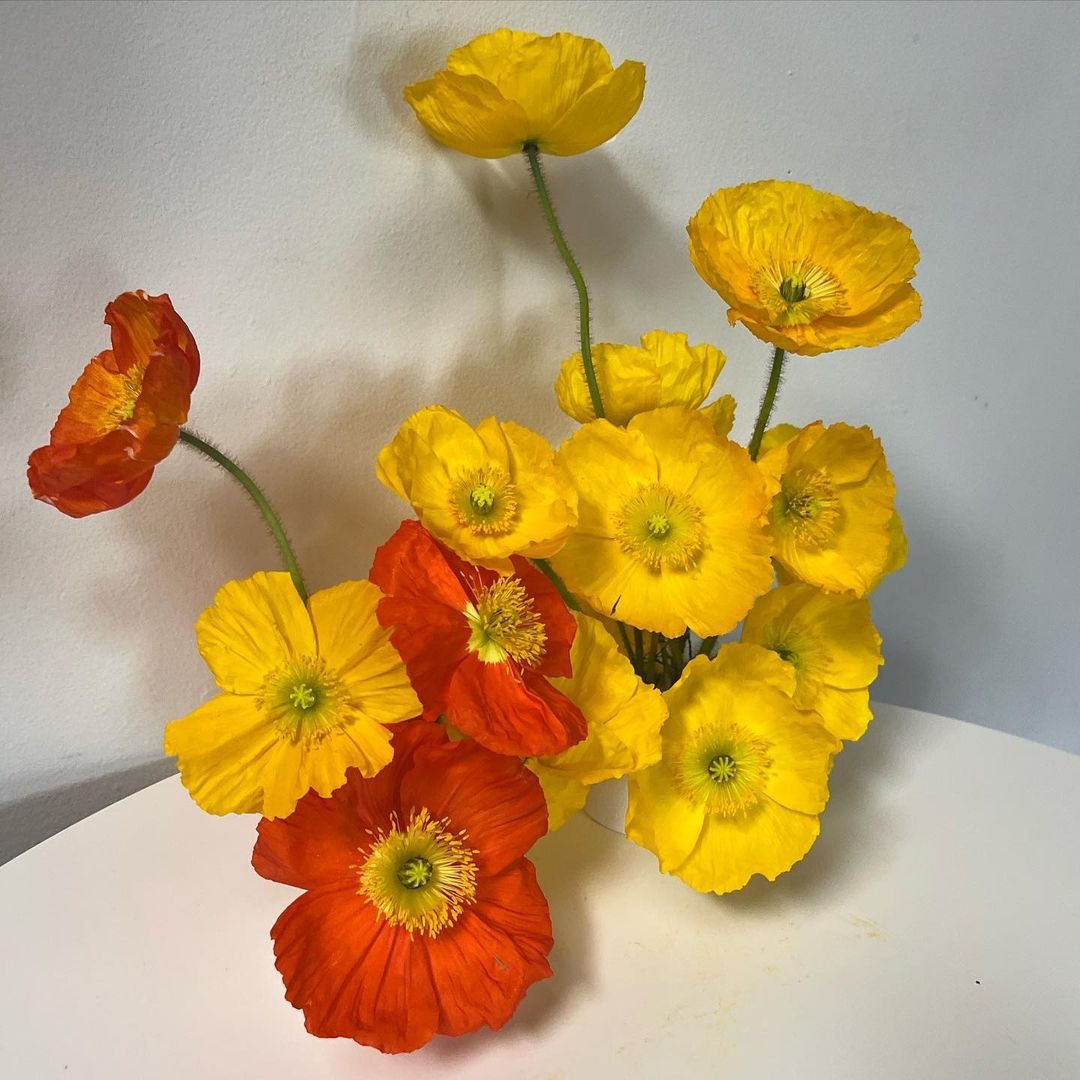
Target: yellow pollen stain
{"x": 505, "y": 625}
{"x": 421, "y": 876}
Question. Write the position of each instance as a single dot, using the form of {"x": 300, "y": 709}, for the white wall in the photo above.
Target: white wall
{"x": 256, "y": 161}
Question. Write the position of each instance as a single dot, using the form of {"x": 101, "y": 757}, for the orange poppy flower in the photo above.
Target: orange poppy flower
{"x": 124, "y": 412}
{"x": 480, "y": 646}
{"x": 421, "y": 914}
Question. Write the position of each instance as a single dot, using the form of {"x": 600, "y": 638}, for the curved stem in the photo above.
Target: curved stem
{"x": 532, "y": 154}
{"x": 273, "y": 522}
{"x": 767, "y": 402}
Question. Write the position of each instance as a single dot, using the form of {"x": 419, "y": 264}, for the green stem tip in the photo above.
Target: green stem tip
{"x": 273, "y": 522}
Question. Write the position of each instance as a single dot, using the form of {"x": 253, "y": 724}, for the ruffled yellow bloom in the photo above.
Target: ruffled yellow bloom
{"x": 624, "y": 717}
{"x": 308, "y": 693}
{"x": 832, "y": 506}
{"x": 664, "y": 370}
{"x": 832, "y": 646}
{"x": 743, "y": 777}
{"x": 804, "y": 270}
{"x": 671, "y": 524}
{"x": 488, "y": 493}
{"x": 509, "y": 88}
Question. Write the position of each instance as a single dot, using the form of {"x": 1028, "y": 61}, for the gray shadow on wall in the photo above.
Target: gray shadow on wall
{"x": 29, "y": 821}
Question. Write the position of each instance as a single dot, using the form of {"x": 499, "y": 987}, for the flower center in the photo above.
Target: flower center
{"x": 505, "y": 624}
{"x": 807, "y": 507}
{"x": 793, "y": 290}
{"x": 798, "y": 292}
{"x": 484, "y": 500}
{"x": 415, "y": 873}
{"x": 420, "y": 877}
{"x": 118, "y": 398}
{"x": 304, "y": 699}
{"x": 724, "y": 768}
{"x": 660, "y": 528}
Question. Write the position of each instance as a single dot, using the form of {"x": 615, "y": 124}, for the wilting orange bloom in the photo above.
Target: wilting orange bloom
{"x": 480, "y": 646}
{"x": 124, "y": 412}
{"x": 421, "y": 915}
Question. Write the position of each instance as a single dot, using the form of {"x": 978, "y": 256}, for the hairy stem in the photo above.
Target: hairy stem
{"x": 532, "y": 154}
{"x": 273, "y": 522}
{"x": 767, "y": 403}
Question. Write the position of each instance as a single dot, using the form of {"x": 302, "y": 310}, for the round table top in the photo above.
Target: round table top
{"x": 934, "y": 931}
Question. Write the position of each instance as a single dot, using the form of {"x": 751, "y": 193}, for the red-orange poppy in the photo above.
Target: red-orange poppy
{"x": 124, "y": 412}
{"x": 422, "y": 915}
{"x": 479, "y": 646}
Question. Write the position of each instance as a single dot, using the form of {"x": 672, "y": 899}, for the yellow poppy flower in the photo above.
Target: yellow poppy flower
{"x": 664, "y": 370}
{"x": 509, "y": 88}
{"x": 832, "y": 506}
{"x": 308, "y": 692}
{"x": 671, "y": 524}
{"x": 743, "y": 776}
{"x": 832, "y": 646}
{"x": 807, "y": 271}
{"x": 488, "y": 493}
{"x": 624, "y": 717}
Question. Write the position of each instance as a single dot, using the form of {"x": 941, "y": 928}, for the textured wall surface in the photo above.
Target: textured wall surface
{"x": 339, "y": 270}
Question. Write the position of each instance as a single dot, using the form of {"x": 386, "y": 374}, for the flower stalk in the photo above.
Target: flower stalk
{"x": 767, "y": 402}
{"x": 273, "y": 522}
{"x": 532, "y": 155}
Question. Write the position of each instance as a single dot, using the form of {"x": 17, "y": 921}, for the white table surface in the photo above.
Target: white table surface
{"x": 934, "y": 931}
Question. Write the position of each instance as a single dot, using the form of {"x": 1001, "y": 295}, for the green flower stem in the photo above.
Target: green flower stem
{"x": 273, "y": 522}
{"x": 767, "y": 403}
{"x": 532, "y": 153}
{"x": 549, "y": 572}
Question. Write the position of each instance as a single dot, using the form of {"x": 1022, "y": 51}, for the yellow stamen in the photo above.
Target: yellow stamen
{"x": 807, "y": 506}
{"x": 798, "y": 291}
{"x": 661, "y": 528}
{"x": 420, "y": 877}
{"x": 724, "y": 768}
{"x": 505, "y": 624}
{"x": 305, "y": 700}
{"x": 484, "y": 500}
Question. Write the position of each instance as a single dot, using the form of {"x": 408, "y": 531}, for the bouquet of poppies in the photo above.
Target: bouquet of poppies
{"x": 651, "y": 600}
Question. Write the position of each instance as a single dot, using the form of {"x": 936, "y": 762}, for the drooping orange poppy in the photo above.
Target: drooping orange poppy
{"x": 124, "y": 412}
{"x": 421, "y": 915}
{"x": 479, "y": 646}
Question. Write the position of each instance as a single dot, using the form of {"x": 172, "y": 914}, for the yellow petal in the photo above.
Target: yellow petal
{"x": 469, "y": 114}
{"x": 222, "y": 747}
{"x": 768, "y": 841}
{"x": 599, "y": 114}
{"x": 659, "y": 817}
{"x": 294, "y": 768}
{"x": 253, "y": 627}
{"x": 624, "y": 715}
{"x": 721, "y": 414}
{"x": 358, "y": 650}
{"x": 565, "y": 794}
{"x": 845, "y": 713}
{"x": 741, "y": 661}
